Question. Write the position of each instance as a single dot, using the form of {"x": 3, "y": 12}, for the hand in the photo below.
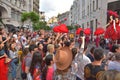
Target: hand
{"x": 7, "y": 60}
{"x": 8, "y": 38}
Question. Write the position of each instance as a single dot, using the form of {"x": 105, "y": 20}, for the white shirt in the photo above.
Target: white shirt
{"x": 82, "y": 60}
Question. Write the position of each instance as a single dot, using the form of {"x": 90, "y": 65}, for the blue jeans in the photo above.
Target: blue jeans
{"x": 13, "y": 67}
{"x": 77, "y": 78}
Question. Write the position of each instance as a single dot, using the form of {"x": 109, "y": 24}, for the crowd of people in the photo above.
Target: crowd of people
{"x": 46, "y": 55}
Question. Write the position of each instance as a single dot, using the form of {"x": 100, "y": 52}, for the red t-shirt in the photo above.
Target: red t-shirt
{"x": 50, "y": 73}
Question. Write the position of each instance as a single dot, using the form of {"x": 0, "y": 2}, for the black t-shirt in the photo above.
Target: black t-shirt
{"x": 92, "y": 71}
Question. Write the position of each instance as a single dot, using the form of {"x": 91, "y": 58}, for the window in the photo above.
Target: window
{"x": 87, "y": 24}
{"x": 93, "y": 5}
{"x": 88, "y": 11}
{"x": 96, "y": 4}
{"x": 90, "y": 7}
{"x": 13, "y": 14}
{"x": 83, "y": 25}
{"x": 96, "y": 23}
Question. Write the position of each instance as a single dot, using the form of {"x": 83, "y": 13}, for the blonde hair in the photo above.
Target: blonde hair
{"x": 109, "y": 75}
{"x": 117, "y": 76}
{"x": 50, "y": 46}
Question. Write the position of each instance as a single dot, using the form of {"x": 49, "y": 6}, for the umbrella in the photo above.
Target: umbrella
{"x": 78, "y": 30}
{"x": 63, "y": 28}
{"x": 56, "y": 29}
{"x": 87, "y": 31}
{"x": 99, "y": 31}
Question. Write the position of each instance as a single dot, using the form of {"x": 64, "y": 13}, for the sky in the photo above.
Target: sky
{"x": 53, "y": 7}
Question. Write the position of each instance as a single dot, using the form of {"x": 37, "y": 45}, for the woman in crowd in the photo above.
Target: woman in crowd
{"x": 74, "y": 66}
{"x": 3, "y": 63}
{"x": 14, "y": 58}
{"x": 36, "y": 68}
{"x": 48, "y": 71}
{"x": 40, "y": 49}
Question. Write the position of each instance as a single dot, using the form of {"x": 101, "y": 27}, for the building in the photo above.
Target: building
{"x": 92, "y": 13}
{"x": 53, "y": 21}
{"x": 114, "y": 5}
{"x": 42, "y": 16}
{"x": 89, "y": 13}
{"x": 36, "y": 6}
{"x": 75, "y": 13}
{"x": 65, "y": 18}
{"x": 11, "y": 10}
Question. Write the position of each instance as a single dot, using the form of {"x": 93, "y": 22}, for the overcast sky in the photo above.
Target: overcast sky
{"x": 53, "y": 7}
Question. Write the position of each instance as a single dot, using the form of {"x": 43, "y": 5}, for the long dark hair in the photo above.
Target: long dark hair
{"x": 36, "y": 60}
{"x": 12, "y": 49}
{"x": 48, "y": 60}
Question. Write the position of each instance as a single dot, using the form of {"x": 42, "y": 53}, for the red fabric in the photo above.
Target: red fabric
{"x": 87, "y": 31}
{"x": 118, "y": 28}
{"x": 50, "y": 73}
{"x": 78, "y": 30}
{"x": 23, "y": 63}
{"x": 36, "y": 74}
{"x": 99, "y": 31}
{"x": 111, "y": 33}
{"x": 56, "y": 29}
{"x": 63, "y": 28}
{"x": 108, "y": 31}
{"x": 3, "y": 69}
{"x": 97, "y": 40}
{"x": 112, "y": 13}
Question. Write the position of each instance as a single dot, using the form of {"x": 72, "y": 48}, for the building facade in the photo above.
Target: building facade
{"x": 42, "y": 16}
{"x": 65, "y": 18}
{"x": 89, "y": 13}
{"x": 11, "y": 10}
{"x": 36, "y": 6}
{"x": 114, "y": 5}
{"x": 53, "y": 21}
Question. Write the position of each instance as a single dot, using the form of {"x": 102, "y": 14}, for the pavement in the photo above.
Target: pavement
{"x": 18, "y": 75}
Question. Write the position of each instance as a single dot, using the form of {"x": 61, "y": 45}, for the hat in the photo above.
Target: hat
{"x": 63, "y": 58}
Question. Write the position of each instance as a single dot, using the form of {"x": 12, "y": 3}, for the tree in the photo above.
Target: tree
{"x": 70, "y": 27}
{"x": 41, "y": 25}
{"x": 34, "y": 17}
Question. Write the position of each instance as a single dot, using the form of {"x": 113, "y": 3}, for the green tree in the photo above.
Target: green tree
{"x": 34, "y": 17}
{"x": 70, "y": 27}
{"x": 41, "y": 25}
